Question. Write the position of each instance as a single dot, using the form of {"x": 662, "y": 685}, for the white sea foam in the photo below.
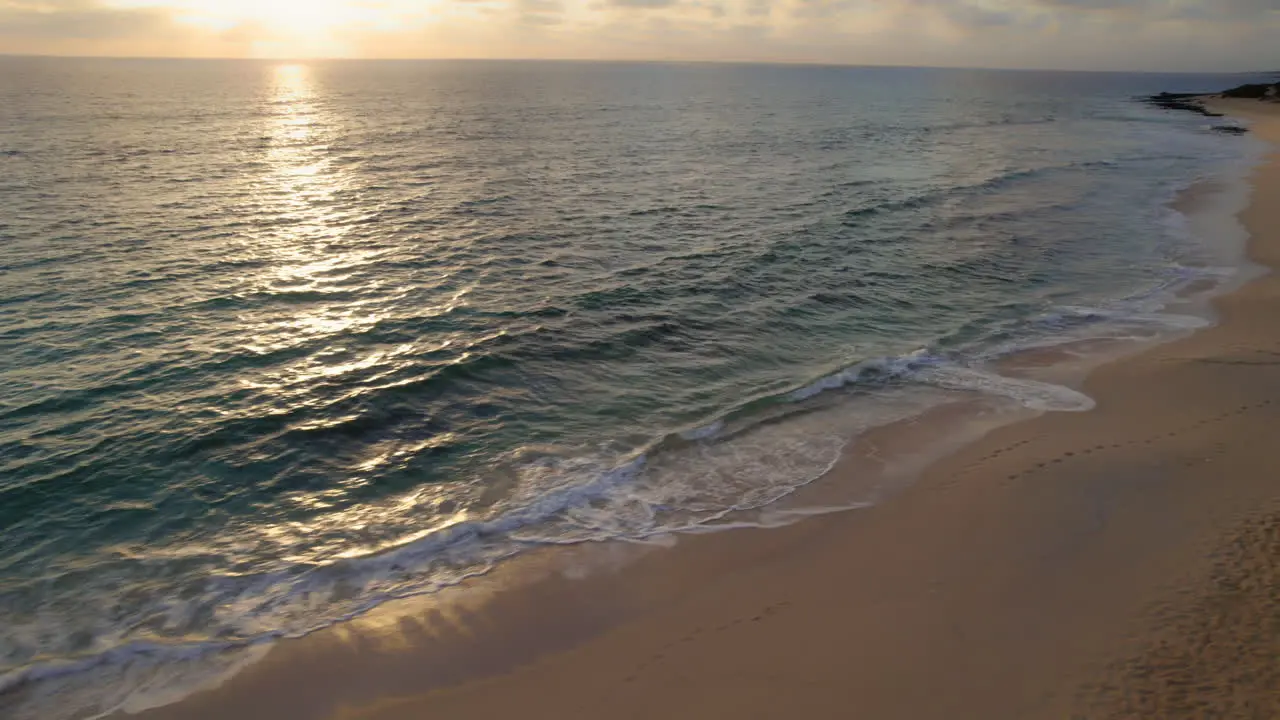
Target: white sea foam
{"x": 705, "y": 432}
{"x": 710, "y": 484}
{"x": 1031, "y": 394}
{"x": 879, "y": 368}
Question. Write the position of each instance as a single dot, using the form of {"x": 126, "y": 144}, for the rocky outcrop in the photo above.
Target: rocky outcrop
{"x": 1192, "y": 102}
{"x": 1248, "y": 92}
{"x": 1180, "y": 101}
{"x": 1263, "y": 91}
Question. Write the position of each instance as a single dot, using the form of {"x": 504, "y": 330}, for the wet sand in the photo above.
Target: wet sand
{"x": 1118, "y": 563}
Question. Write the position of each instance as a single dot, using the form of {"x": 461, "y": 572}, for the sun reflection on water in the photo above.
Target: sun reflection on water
{"x": 298, "y": 133}
{"x": 305, "y": 224}
{"x": 313, "y": 289}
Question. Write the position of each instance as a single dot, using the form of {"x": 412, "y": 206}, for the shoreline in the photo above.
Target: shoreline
{"x": 557, "y": 577}
{"x": 1106, "y": 645}
{"x": 605, "y": 616}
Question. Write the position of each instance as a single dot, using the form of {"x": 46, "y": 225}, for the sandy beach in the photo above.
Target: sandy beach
{"x": 1116, "y": 563}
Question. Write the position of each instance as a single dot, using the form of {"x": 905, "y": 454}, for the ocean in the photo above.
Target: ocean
{"x": 280, "y": 342}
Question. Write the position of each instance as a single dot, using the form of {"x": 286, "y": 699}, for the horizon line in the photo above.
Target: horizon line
{"x": 628, "y": 61}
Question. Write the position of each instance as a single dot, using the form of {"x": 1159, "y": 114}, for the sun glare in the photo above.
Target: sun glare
{"x": 289, "y": 16}
{"x": 279, "y": 28}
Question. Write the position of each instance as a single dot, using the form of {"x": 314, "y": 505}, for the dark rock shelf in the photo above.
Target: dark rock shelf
{"x": 1193, "y": 102}
{"x": 1180, "y": 101}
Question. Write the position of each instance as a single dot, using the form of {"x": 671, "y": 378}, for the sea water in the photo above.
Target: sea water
{"x": 280, "y": 342}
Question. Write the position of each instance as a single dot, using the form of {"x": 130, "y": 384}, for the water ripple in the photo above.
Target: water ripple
{"x": 282, "y": 343}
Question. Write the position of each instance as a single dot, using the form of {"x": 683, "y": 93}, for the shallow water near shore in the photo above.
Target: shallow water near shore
{"x": 291, "y": 341}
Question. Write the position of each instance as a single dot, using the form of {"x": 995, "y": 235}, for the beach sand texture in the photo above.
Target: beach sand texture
{"x": 1119, "y": 563}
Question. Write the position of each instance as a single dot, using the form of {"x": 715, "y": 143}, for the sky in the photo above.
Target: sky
{"x": 1176, "y": 35}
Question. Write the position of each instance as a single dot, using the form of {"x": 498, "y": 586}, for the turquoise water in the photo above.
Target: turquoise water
{"x": 281, "y": 342}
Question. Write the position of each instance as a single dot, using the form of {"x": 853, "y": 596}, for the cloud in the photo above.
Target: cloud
{"x": 642, "y": 3}
{"x": 76, "y": 19}
{"x": 1095, "y": 4}
{"x": 95, "y": 28}
{"x": 970, "y": 15}
{"x": 1160, "y": 10}
{"x": 1085, "y": 34}
{"x": 820, "y": 9}
{"x": 540, "y": 12}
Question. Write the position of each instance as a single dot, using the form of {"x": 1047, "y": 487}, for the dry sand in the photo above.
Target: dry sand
{"x": 1120, "y": 563}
